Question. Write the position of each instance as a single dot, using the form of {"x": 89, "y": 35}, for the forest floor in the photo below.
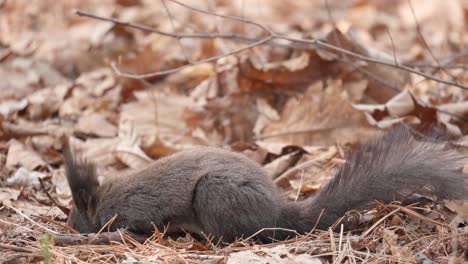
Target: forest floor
{"x": 293, "y": 85}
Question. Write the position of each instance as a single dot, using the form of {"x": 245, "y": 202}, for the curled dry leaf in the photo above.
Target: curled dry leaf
{"x": 225, "y": 119}
{"x": 454, "y": 117}
{"x": 185, "y": 80}
{"x": 97, "y": 82}
{"x": 26, "y": 178}
{"x": 10, "y": 107}
{"x": 303, "y": 69}
{"x": 61, "y": 186}
{"x": 281, "y": 164}
{"x": 459, "y": 207}
{"x": 402, "y": 107}
{"x": 301, "y": 187}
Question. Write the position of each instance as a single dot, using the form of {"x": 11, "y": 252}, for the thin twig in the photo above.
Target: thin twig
{"x": 426, "y": 45}
{"x": 253, "y": 43}
{"x": 18, "y": 249}
{"x": 62, "y": 208}
{"x": 171, "y": 20}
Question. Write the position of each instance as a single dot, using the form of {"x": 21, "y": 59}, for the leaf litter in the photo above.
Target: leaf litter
{"x": 297, "y": 109}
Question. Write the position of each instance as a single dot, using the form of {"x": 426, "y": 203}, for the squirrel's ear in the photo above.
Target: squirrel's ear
{"x": 81, "y": 177}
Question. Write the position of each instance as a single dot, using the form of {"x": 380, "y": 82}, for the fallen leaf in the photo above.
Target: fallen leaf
{"x": 8, "y": 194}
{"x": 322, "y": 116}
{"x": 128, "y": 150}
{"x": 95, "y": 124}
{"x": 20, "y": 155}
{"x": 8, "y": 108}
{"x": 25, "y": 178}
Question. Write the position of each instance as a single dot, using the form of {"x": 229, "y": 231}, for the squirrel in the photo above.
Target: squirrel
{"x": 211, "y": 191}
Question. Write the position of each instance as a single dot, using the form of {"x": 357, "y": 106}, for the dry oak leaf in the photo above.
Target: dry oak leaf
{"x": 224, "y": 119}
{"x": 391, "y": 77}
{"x": 191, "y": 77}
{"x": 402, "y": 107}
{"x": 158, "y": 117}
{"x": 303, "y": 69}
{"x": 95, "y": 124}
{"x": 24, "y": 127}
{"x": 20, "y": 155}
{"x": 448, "y": 114}
{"x": 322, "y": 116}
{"x": 128, "y": 150}
{"x": 98, "y": 150}
{"x": 45, "y": 102}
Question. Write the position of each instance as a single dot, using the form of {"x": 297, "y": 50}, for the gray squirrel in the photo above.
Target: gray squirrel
{"x": 220, "y": 193}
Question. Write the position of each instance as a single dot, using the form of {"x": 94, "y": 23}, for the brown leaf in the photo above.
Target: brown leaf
{"x": 303, "y": 69}
{"x": 320, "y": 117}
{"x": 21, "y": 155}
{"x": 128, "y": 150}
{"x": 402, "y": 107}
{"x": 99, "y": 150}
{"x": 8, "y": 194}
{"x": 97, "y": 82}
{"x": 8, "y": 108}
{"x": 25, "y": 178}
{"x": 95, "y": 124}
{"x": 384, "y": 81}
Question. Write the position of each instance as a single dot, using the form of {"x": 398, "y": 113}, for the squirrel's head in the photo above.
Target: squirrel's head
{"x": 80, "y": 221}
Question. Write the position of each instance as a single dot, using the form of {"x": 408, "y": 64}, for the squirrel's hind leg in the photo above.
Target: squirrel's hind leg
{"x": 230, "y": 208}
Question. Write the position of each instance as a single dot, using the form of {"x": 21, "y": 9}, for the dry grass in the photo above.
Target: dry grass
{"x": 395, "y": 235}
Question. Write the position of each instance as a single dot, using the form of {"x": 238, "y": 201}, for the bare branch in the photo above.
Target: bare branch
{"x": 173, "y": 70}
{"x": 308, "y": 44}
{"x": 96, "y": 239}
{"x": 145, "y": 28}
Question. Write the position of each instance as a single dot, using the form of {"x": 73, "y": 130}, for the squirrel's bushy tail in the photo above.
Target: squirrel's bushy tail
{"x": 392, "y": 167}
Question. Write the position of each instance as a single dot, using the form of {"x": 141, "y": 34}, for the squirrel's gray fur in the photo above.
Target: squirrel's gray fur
{"x": 224, "y": 194}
